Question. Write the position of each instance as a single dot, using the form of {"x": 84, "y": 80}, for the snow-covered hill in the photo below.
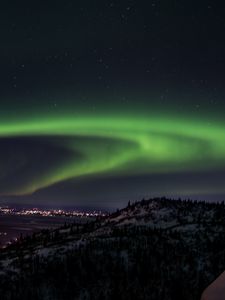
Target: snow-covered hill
{"x": 164, "y": 247}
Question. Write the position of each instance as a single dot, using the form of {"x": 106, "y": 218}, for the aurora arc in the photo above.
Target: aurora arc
{"x": 115, "y": 145}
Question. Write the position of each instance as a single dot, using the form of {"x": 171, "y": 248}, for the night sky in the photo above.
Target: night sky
{"x": 102, "y": 102}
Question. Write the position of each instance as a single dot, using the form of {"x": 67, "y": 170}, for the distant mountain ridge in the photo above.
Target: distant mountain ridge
{"x": 153, "y": 249}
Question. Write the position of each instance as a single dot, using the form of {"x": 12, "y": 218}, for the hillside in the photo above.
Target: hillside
{"x": 152, "y": 249}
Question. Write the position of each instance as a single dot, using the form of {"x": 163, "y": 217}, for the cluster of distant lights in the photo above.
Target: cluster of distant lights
{"x": 48, "y": 213}
{"x": 3, "y": 233}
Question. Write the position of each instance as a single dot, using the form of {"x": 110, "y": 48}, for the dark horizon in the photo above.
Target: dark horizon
{"x": 105, "y": 209}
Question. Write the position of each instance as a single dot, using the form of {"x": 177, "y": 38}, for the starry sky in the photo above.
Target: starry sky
{"x": 102, "y": 102}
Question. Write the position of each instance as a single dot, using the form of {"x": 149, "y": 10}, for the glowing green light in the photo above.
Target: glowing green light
{"x": 123, "y": 145}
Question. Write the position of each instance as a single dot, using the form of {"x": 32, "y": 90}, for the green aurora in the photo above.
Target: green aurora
{"x": 115, "y": 145}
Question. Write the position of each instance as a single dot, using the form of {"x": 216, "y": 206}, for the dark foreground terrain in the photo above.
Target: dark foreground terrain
{"x": 12, "y": 226}
{"x": 154, "y": 249}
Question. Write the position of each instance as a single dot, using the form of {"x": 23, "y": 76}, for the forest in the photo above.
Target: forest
{"x": 153, "y": 249}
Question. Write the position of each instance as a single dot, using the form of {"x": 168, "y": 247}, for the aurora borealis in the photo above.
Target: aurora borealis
{"x": 102, "y": 103}
{"x": 107, "y": 146}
